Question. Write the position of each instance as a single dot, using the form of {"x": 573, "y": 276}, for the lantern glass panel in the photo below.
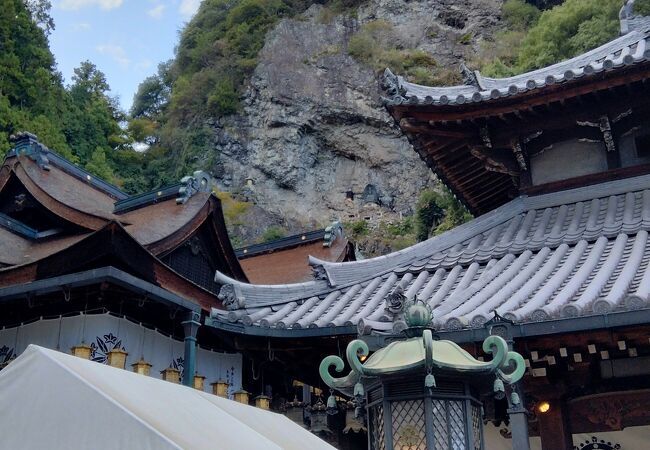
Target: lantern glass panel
{"x": 376, "y": 421}
{"x": 440, "y": 425}
{"x": 477, "y": 429}
{"x": 409, "y": 425}
{"x": 457, "y": 425}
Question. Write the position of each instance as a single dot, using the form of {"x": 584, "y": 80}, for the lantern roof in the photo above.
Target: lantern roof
{"x": 426, "y": 354}
{"x": 403, "y": 355}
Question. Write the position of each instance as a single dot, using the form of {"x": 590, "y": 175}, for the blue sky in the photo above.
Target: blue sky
{"x": 126, "y": 39}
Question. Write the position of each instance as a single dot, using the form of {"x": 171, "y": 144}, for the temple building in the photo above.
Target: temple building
{"x": 129, "y": 280}
{"x": 555, "y": 165}
{"x": 84, "y": 265}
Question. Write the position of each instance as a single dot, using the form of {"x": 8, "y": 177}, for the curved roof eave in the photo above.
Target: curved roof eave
{"x": 630, "y": 49}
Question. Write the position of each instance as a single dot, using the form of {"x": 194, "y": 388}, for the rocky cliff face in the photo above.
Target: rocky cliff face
{"x": 313, "y": 142}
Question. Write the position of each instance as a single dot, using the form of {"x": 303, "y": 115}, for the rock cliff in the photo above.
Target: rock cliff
{"x": 313, "y": 142}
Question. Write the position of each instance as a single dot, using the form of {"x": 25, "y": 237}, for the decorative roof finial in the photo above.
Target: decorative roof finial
{"x": 334, "y": 230}
{"x": 418, "y": 315}
{"x": 199, "y": 181}
{"x": 629, "y": 18}
{"x": 469, "y": 76}
{"x": 27, "y": 144}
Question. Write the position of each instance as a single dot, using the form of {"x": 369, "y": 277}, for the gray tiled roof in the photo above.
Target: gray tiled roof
{"x": 578, "y": 252}
{"x": 629, "y": 49}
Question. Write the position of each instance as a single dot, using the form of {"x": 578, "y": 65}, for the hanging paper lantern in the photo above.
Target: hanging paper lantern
{"x": 242, "y": 396}
{"x": 142, "y": 367}
{"x": 220, "y": 388}
{"x": 199, "y": 382}
{"x": 82, "y": 350}
{"x": 172, "y": 375}
{"x": 263, "y": 402}
{"x": 117, "y": 358}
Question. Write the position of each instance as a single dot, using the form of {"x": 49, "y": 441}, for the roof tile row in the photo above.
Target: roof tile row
{"x": 579, "y": 252}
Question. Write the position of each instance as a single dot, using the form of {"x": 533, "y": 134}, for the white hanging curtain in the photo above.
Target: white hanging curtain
{"x": 104, "y": 332}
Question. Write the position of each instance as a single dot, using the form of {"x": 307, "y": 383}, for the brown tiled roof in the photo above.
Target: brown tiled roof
{"x": 66, "y": 189}
{"x": 156, "y": 222}
{"x": 292, "y": 265}
{"x": 15, "y": 250}
{"x": 88, "y": 205}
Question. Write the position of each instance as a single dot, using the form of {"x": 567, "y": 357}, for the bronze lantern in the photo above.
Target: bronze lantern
{"x": 319, "y": 417}
{"x": 353, "y": 422}
{"x": 424, "y": 393}
{"x": 294, "y": 410}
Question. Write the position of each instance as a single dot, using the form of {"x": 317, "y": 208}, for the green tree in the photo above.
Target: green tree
{"x": 98, "y": 165}
{"x": 40, "y": 12}
{"x": 568, "y": 30}
{"x": 428, "y": 212}
{"x": 273, "y": 233}
{"x": 153, "y": 94}
{"x": 520, "y": 15}
{"x": 642, "y": 7}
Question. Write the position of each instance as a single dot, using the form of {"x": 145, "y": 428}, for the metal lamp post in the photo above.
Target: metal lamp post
{"x": 421, "y": 393}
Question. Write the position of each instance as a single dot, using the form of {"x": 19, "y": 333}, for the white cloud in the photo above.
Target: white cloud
{"x": 144, "y": 64}
{"x": 188, "y": 7}
{"x": 78, "y": 4}
{"x": 157, "y": 11}
{"x": 116, "y": 52}
{"x": 81, "y": 26}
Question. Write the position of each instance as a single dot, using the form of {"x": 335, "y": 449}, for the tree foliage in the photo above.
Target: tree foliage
{"x": 568, "y": 30}
{"x": 81, "y": 122}
{"x": 534, "y": 39}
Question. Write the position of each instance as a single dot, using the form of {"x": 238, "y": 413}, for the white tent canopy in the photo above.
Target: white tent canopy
{"x": 57, "y": 401}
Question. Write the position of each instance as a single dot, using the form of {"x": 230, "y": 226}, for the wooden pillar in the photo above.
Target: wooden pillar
{"x": 554, "y": 427}
{"x": 191, "y": 326}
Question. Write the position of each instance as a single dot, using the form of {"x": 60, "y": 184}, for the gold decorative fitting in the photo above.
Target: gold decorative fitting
{"x": 117, "y": 358}
{"x": 172, "y": 375}
{"x": 82, "y": 350}
{"x": 142, "y": 367}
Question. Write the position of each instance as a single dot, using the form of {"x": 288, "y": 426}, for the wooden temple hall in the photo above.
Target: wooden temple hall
{"x": 548, "y": 288}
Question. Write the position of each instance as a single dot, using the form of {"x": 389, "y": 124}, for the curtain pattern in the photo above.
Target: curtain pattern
{"x": 104, "y": 332}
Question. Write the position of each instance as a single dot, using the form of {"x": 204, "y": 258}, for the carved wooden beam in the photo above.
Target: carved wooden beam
{"x": 496, "y": 160}
{"x": 515, "y": 144}
{"x": 610, "y": 412}
{"x": 605, "y": 127}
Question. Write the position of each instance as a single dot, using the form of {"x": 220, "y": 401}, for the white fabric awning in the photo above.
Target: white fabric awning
{"x": 52, "y": 400}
